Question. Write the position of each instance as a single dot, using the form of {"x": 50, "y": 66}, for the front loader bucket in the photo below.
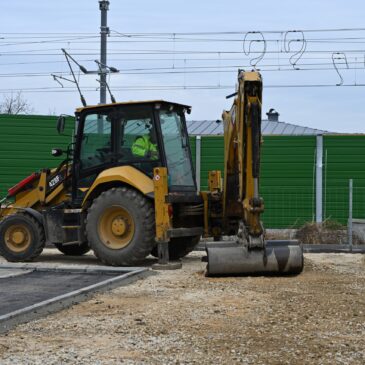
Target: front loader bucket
{"x": 278, "y": 257}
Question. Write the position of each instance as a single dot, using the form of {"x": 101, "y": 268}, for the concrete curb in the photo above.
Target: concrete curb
{"x": 74, "y": 268}
{"x": 55, "y": 304}
{"x": 10, "y": 274}
{"x": 315, "y": 248}
{"x": 333, "y": 249}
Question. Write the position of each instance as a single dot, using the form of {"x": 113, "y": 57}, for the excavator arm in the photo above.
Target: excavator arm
{"x": 242, "y": 133}
{"x": 241, "y": 202}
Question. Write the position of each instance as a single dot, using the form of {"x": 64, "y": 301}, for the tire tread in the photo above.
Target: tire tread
{"x": 145, "y": 245}
{"x": 39, "y": 245}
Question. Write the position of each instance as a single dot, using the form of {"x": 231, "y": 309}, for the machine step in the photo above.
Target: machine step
{"x": 72, "y": 211}
{"x": 71, "y": 227}
{"x": 71, "y": 243}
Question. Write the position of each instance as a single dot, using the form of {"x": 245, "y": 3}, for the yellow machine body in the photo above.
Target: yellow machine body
{"x": 123, "y": 213}
{"x": 124, "y": 175}
{"x": 239, "y": 201}
{"x": 37, "y": 198}
{"x": 242, "y": 154}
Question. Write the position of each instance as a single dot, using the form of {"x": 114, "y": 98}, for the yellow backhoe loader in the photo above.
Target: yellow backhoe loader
{"x": 127, "y": 189}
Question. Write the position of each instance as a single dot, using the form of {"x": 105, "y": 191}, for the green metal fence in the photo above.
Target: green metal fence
{"x": 344, "y": 159}
{"x": 287, "y": 167}
{"x": 287, "y": 181}
{"x": 287, "y": 176}
{"x": 25, "y": 146}
{"x": 212, "y": 157}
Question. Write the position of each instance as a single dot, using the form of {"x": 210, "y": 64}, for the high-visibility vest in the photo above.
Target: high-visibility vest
{"x": 143, "y": 147}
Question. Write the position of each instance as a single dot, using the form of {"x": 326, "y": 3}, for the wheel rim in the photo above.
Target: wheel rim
{"x": 18, "y": 238}
{"x": 116, "y": 227}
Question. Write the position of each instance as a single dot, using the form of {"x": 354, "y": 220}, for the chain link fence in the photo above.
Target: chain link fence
{"x": 288, "y": 207}
{"x": 292, "y": 207}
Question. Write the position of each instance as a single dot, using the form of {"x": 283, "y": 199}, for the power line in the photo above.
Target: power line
{"x": 181, "y": 70}
{"x": 241, "y": 32}
{"x": 169, "y": 52}
{"x": 161, "y": 59}
{"x": 271, "y": 67}
{"x": 86, "y": 40}
{"x": 48, "y": 41}
{"x": 194, "y": 33}
{"x": 174, "y": 87}
{"x": 289, "y": 59}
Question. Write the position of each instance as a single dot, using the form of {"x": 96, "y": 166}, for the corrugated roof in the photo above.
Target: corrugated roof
{"x": 212, "y": 128}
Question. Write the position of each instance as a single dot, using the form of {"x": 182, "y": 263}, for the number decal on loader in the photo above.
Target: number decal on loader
{"x": 54, "y": 181}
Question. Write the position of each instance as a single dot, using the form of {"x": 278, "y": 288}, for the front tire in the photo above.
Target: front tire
{"x": 21, "y": 238}
{"x": 120, "y": 227}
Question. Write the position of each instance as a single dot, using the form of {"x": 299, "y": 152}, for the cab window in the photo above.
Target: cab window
{"x": 96, "y": 141}
{"x": 138, "y": 144}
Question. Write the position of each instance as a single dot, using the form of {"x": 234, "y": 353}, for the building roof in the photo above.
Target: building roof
{"x": 268, "y": 127}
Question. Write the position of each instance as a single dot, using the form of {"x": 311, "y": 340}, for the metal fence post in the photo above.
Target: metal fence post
{"x": 350, "y": 215}
{"x": 198, "y": 146}
{"x": 319, "y": 179}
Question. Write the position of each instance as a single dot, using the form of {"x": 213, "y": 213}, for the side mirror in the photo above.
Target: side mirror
{"x": 56, "y": 152}
{"x": 61, "y": 121}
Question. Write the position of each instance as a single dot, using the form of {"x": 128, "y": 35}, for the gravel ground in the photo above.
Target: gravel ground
{"x": 182, "y": 317}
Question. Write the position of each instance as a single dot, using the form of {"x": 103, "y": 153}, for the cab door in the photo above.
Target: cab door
{"x": 94, "y": 150}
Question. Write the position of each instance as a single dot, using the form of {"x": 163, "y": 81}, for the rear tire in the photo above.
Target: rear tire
{"x": 73, "y": 250}
{"x": 21, "y": 238}
{"x": 120, "y": 227}
{"x": 179, "y": 247}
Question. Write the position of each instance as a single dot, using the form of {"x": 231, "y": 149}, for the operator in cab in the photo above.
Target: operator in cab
{"x": 146, "y": 146}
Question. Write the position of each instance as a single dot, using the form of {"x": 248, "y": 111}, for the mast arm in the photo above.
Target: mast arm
{"x": 242, "y": 133}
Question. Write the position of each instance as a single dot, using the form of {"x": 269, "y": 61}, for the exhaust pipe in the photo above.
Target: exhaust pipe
{"x": 278, "y": 257}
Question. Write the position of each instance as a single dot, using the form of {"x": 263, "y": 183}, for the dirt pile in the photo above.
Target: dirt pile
{"x": 328, "y": 232}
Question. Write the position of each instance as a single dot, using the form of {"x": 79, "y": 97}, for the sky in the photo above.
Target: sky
{"x": 190, "y": 51}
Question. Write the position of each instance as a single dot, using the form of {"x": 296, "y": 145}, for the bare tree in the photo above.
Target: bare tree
{"x": 15, "y": 104}
{"x": 52, "y": 111}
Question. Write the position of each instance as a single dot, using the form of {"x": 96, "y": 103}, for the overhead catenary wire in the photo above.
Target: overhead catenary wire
{"x": 175, "y": 37}
{"x": 174, "y": 87}
{"x": 185, "y": 59}
{"x": 207, "y": 32}
{"x": 47, "y": 41}
{"x": 15, "y": 45}
{"x": 80, "y": 40}
{"x": 179, "y": 70}
{"x": 169, "y": 52}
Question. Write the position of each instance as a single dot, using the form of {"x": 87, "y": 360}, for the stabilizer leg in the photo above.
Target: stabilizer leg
{"x": 164, "y": 262}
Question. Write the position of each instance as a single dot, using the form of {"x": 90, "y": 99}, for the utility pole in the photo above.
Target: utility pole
{"x": 104, "y": 32}
{"x": 103, "y": 68}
